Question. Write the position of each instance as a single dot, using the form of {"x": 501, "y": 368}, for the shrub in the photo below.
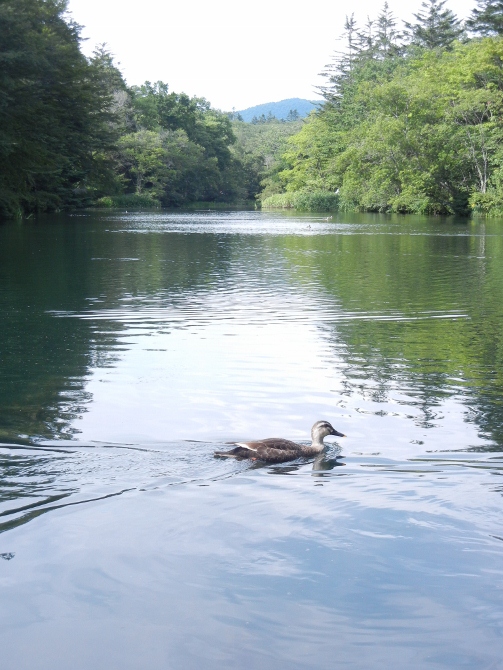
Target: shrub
{"x": 128, "y": 200}
{"x": 303, "y": 201}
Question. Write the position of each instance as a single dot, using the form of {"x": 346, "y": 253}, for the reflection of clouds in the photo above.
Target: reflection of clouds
{"x": 198, "y": 383}
{"x": 277, "y": 373}
{"x": 258, "y": 567}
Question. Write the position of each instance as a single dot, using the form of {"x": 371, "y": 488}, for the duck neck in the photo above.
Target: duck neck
{"x": 317, "y": 443}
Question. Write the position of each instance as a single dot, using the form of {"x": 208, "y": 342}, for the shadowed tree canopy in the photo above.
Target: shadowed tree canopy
{"x": 55, "y": 111}
{"x": 487, "y": 18}
{"x": 155, "y": 108}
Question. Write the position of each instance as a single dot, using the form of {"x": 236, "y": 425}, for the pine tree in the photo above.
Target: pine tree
{"x": 387, "y": 38}
{"x": 339, "y": 71}
{"x": 487, "y": 18}
{"x": 366, "y": 37}
{"x": 435, "y": 27}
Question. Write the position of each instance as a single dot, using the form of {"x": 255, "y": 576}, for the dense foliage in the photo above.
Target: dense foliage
{"x": 72, "y": 133}
{"x": 411, "y": 123}
{"x": 177, "y": 149}
{"x": 55, "y": 110}
{"x": 259, "y": 148}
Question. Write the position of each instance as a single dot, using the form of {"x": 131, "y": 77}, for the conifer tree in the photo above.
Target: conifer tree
{"x": 487, "y": 18}
{"x": 387, "y": 38}
{"x": 435, "y": 27}
{"x": 366, "y": 37}
{"x": 339, "y": 71}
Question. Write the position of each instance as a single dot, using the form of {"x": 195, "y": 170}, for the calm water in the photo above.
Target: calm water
{"x": 134, "y": 344}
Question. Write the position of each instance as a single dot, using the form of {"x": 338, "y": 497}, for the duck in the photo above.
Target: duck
{"x": 279, "y": 450}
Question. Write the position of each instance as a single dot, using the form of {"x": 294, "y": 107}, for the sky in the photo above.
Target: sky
{"x": 234, "y": 54}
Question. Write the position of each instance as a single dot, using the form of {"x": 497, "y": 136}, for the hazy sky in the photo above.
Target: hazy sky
{"x": 234, "y": 54}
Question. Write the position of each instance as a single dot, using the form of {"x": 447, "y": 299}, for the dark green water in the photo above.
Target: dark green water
{"x": 133, "y": 345}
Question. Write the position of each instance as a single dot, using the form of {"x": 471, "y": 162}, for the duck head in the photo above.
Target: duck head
{"x": 321, "y": 429}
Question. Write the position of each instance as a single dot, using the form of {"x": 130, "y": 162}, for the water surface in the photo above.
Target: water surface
{"x": 135, "y": 344}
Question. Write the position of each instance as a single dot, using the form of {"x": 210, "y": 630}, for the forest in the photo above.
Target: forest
{"x": 411, "y": 122}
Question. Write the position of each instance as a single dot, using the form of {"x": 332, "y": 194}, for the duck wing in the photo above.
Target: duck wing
{"x": 277, "y": 443}
{"x": 273, "y": 449}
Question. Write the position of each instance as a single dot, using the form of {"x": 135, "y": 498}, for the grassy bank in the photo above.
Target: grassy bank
{"x": 303, "y": 201}
{"x": 134, "y": 201}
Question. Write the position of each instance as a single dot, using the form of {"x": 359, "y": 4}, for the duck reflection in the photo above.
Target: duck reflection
{"x": 321, "y": 464}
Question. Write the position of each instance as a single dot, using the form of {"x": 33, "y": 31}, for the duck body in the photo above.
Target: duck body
{"x": 279, "y": 450}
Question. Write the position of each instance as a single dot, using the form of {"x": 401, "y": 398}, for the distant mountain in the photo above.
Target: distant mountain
{"x": 279, "y": 109}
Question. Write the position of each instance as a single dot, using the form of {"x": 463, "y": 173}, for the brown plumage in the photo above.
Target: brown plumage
{"x": 278, "y": 450}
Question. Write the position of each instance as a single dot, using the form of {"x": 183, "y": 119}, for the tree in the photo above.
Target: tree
{"x": 55, "y": 110}
{"x": 435, "y": 27}
{"x": 338, "y": 72}
{"x": 425, "y": 137}
{"x": 487, "y": 18}
{"x": 387, "y": 37}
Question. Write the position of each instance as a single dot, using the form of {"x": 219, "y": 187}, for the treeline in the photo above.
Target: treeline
{"x": 411, "y": 122}
{"x": 412, "y": 119}
{"x": 56, "y": 120}
{"x": 72, "y": 133}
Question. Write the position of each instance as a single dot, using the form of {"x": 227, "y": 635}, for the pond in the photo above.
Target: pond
{"x": 134, "y": 344}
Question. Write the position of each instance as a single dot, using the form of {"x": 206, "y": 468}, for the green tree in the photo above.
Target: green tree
{"x": 144, "y": 160}
{"x": 258, "y": 151}
{"x": 435, "y": 27}
{"x": 487, "y": 18}
{"x": 424, "y": 136}
{"x": 338, "y": 71}
{"x": 55, "y": 111}
{"x": 388, "y": 37}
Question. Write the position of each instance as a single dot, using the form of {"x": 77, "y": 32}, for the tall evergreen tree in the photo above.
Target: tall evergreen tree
{"x": 366, "y": 37}
{"x": 54, "y": 108}
{"x": 487, "y": 18}
{"x": 374, "y": 49}
{"x": 338, "y": 72}
{"x": 435, "y": 27}
{"x": 387, "y": 38}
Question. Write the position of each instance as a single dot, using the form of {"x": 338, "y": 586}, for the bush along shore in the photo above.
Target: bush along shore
{"x": 303, "y": 201}
{"x": 412, "y": 122}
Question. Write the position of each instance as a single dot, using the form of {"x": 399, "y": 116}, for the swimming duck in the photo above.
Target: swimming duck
{"x": 277, "y": 449}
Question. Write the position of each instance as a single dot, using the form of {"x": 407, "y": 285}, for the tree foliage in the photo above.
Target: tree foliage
{"x": 435, "y": 26}
{"x": 487, "y": 18}
{"x": 179, "y": 149}
{"x": 407, "y": 127}
{"x": 411, "y": 122}
{"x": 55, "y": 110}
{"x": 72, "y": 131}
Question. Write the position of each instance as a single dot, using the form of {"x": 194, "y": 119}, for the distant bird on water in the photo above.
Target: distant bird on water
{"x": 328, "y": 218}
{"x": 278, "y": 450}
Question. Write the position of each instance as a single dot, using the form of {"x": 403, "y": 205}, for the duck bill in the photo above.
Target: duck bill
{"x": 336, "y": 432}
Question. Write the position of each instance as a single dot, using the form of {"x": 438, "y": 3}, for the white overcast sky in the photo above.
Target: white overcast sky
{"x": 234, "y": 54}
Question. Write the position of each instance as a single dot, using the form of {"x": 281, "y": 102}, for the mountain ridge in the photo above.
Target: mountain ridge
{"x": 279, "y": 109}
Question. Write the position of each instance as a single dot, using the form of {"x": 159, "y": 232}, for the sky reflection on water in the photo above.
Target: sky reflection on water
{"x": 134, "y": 345}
